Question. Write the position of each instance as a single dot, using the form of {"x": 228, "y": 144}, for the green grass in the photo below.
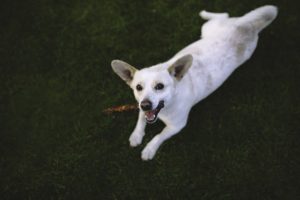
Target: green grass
{"x": 242, "y": 142}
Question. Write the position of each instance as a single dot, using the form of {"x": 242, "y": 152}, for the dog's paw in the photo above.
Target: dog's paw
{"x": 148, "y": 153}
{"x": 135, "y": 139}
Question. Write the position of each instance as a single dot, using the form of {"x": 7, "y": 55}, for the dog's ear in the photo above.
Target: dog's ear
{"x": 181, "y": 66}
{"x": 124, "y": 70}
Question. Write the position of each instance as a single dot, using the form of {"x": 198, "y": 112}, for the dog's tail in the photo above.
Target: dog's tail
{"x": 210, "y": 15}
{"x": 259, "y": 18}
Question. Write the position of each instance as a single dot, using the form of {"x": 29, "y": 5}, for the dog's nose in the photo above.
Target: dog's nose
{"x": 146, "y": 105}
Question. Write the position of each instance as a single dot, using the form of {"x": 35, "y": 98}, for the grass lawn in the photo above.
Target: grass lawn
{"x": 242, "y": 142}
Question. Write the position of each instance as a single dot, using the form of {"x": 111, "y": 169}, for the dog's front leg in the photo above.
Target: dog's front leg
{"x": 137, "y": 135}
{"x": 151, "y": 148}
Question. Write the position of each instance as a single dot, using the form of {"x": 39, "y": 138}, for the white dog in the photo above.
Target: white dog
{"x": 170, "y": 89}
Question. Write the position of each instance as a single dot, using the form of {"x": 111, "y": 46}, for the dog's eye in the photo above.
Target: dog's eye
{"x": 139, "y": 87}
{"x": 159, "y": 86}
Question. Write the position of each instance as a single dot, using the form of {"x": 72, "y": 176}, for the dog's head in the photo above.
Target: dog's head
{"x": 153, "y": 87}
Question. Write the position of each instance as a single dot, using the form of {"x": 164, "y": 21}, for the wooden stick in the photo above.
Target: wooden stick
{"x": 122, "y": 108}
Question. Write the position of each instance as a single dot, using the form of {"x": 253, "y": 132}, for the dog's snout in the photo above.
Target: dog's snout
{"x": 146, "y": 105}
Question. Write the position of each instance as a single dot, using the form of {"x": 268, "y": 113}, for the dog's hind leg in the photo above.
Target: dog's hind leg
{"x": 210, "y": 15}
{"x": 259, "y": 18}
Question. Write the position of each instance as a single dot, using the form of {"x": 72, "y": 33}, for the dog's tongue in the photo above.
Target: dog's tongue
{"x": 150, "y": 115}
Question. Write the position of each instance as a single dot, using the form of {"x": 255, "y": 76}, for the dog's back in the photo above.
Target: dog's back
{"x": 225, "y": 44}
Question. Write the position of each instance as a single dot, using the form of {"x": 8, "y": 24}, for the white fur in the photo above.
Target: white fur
{"x": 226, "y": 43}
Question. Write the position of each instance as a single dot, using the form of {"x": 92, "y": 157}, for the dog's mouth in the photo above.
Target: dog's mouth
{"x": 151, "y": 115}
